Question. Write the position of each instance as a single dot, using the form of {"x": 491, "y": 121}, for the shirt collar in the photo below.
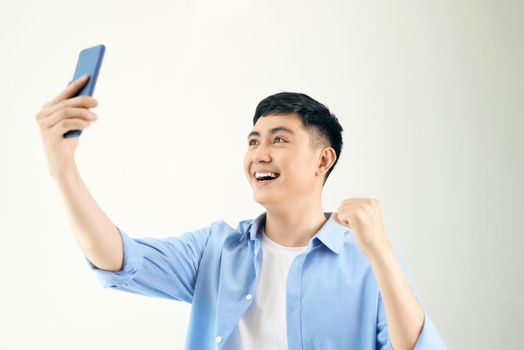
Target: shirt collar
{"x": 331, "y": 234}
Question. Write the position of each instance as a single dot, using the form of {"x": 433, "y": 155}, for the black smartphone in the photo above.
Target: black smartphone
{"x": 89, "y": 62}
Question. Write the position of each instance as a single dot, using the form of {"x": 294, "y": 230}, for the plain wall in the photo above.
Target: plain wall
{"x": 429, "y": 95}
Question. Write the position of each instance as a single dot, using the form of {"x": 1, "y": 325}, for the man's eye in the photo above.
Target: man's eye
{"x": 253, "y": 140}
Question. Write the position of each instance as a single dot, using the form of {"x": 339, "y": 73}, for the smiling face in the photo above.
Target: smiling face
{"x": 280, "y": 144}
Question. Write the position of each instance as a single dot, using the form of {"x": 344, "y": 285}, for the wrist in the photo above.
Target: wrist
{"x": 65, "y": 173}
{"x": 382, "y": 253}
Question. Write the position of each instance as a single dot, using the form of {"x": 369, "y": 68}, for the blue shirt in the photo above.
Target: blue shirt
{"x": 332, "y": 297}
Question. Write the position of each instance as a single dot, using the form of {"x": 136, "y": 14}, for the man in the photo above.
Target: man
{"x": 296, "y": 277}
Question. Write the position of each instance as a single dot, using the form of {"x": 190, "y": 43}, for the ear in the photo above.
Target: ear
{"x": 327, "y": 157}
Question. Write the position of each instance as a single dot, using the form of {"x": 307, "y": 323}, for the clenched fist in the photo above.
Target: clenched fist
{"x": 364, "y": 217}
{"x": 58, "y": 116}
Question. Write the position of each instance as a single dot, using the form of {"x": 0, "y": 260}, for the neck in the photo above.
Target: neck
{"x": 294, "y": 227}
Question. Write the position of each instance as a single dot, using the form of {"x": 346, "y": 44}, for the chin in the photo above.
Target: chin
{"x": 264, "y": 198}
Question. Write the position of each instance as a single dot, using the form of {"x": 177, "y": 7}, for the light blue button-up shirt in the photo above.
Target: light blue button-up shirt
{"x": 332, "y": 297}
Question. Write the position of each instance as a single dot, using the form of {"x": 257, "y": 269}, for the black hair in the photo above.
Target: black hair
{"x": 322, "y": 125}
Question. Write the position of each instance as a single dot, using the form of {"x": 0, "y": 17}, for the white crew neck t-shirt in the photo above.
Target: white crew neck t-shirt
{"x": 263, "y": 326}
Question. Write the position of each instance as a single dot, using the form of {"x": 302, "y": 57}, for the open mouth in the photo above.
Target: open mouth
{"x": 265, "y": 178}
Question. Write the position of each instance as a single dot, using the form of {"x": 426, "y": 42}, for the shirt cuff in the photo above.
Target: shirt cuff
{"x": 429, "y": 338}
{"x": 133, "y": 260}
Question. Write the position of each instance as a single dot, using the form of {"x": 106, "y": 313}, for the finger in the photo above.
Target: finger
{"x": 70, "y": 113}
{"x": 335, "y": 217}
{"x": 72, "y": 88}
{"x": 339, "y": 221}
{"x": 66, "y": 125}
{"x": 78, "y": 101}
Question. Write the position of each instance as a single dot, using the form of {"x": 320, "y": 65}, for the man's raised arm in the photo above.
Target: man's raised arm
{"x": 95, "y": 233}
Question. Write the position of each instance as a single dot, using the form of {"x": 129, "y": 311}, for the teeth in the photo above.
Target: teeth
{"x": 259, "y": 175}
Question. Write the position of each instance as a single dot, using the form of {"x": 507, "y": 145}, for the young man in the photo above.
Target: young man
{"x": 295, "y": 277}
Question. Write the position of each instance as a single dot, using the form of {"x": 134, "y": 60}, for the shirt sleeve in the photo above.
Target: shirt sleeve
{"x": 158, "y": 267}
{"x": 429, "y": 338}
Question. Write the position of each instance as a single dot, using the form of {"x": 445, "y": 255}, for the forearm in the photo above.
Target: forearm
{"x": 95, "y": 233}
{"x": 404, "y": 314}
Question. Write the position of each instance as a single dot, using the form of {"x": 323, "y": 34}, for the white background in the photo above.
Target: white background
{"x": 429, "y": 94}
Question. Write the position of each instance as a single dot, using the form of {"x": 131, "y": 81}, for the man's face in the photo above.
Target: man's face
{"x": 288, "y": 154}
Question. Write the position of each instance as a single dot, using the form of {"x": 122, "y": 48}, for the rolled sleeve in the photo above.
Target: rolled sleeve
{"x": 133, "y": 260}
{"x": 428, "y": 339}
{"x": 158, "y": 267}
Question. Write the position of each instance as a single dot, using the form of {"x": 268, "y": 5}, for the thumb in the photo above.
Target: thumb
{"x": 335, "y": 218}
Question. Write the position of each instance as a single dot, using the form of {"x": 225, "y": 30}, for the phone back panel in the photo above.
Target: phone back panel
{"x": 89, "y": 62}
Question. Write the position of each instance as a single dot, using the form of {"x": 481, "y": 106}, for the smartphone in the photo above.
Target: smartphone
{"x": 89, "y": 62}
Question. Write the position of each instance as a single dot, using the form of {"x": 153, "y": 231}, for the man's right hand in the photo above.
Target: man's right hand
{"x": 58, "y": 116}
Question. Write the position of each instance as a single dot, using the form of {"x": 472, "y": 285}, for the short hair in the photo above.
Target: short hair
{"x": 322, "y": 125}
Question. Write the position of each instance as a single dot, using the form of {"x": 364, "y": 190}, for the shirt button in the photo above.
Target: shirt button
{"x": 249, "y": 297}
{"x": 218, "y": 339}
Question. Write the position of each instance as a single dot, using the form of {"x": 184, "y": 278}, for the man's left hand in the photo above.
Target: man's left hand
{"x": 364, "y": 217}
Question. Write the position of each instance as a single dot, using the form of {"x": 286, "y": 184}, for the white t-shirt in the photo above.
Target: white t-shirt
{"x": 263, "y": 326}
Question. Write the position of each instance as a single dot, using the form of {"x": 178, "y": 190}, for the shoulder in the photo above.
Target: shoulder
{"x": 220, "y": 229}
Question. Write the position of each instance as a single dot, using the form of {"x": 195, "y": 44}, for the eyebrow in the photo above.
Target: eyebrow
{"x": 272, "y": 131}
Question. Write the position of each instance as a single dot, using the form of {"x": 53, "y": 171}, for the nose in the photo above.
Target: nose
{"x": 261, "y": 153}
